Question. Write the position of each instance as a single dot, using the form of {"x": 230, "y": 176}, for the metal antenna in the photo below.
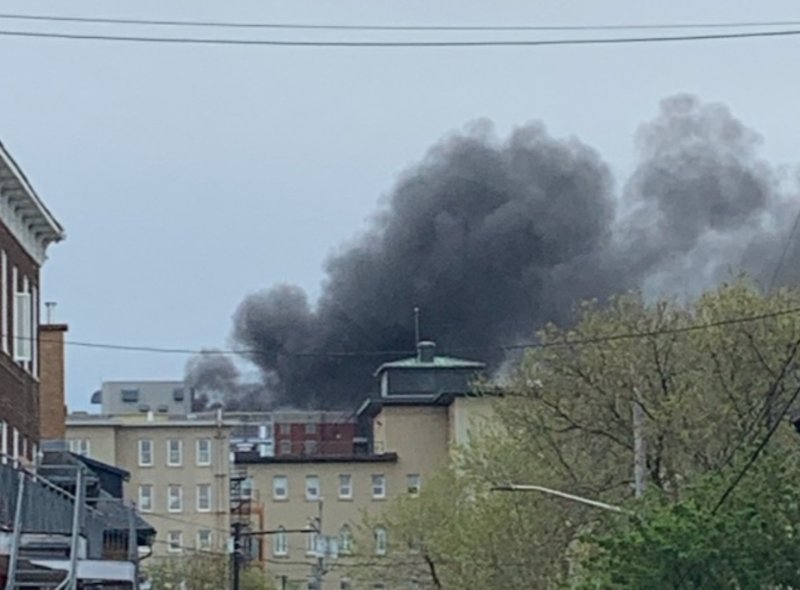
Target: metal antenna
{"x": 416, "y": 325}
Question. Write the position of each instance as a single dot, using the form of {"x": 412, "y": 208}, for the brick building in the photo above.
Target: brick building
{"x": 27, "y": 228}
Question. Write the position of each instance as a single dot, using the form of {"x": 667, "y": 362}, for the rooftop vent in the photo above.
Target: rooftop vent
{"x": 426, "y": 350}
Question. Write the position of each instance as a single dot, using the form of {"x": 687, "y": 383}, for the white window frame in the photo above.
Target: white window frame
{"x": 83, "y": 447}
{"x": 313, "y": 490}
{"x": 310, "y": 448}
{"x": 142, "y": 443}
{"x": 35, "y": 330}
{"x": 171, "y": 497}
{"x": 381, "y": 540}
{"x": 23, "y": 325}
{"x": 280, "y": 543}
{"x": 179, "y": 448}
{"x": 345, "y": 540}
{"x": 209, "y": 535}
{"x": 4, "y": 299}
{"x": 4, "y": 442}
{"x": 200, "y": 507}
{"x": 284, "y": 445}
{"x": 203, "y": 456}
{"x": 175, "y": 541}
{"x": 413, "y": 484}
{"x": 378, "y": 482}
{"x": 146, "y": 500}
{"x": 276, "y": 487}
{"x": 345, "y": 489}
{"x": 15, "y": 446}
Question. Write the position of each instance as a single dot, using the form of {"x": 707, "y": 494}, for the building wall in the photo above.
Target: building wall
{"x": 152, "y": 396}
{"x": 297, "y": 512}
{"x": 52, "y": 410}
{"x": 468, "y": 417}
{"x": 19, "y": 388}
{"x": 117, "y": 442}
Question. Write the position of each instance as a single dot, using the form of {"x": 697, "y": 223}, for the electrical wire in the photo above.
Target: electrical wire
{"x": 396, "y": 44}
{"x": 346, "y": 27}
{"x": 383, "y": 353}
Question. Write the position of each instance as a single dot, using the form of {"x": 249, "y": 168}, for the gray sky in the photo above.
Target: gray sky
{"x": 187, "y": 177}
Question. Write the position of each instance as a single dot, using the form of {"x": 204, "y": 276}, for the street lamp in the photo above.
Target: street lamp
{"x": 559, "y": 494}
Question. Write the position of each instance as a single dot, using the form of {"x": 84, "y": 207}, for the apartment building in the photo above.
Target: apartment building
{"x": 27, "y": 228}
{"x": 424, "y": 411}
{"x": 179, "y": 466}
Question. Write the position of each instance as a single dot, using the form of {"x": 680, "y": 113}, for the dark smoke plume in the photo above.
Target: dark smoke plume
{"x": 216, "y": 382}
{"x": 491, "y": 238}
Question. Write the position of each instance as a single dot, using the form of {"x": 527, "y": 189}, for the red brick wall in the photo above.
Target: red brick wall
{"x": 52, "y": 409}
{"x": 19, "y": 391}
{"x": 332, "y": 438}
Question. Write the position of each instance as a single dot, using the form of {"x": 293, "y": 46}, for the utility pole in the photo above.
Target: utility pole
{"x": 416, "y": 326}
{"x": 639, "y": 446}
{"x": 318, "y": 569}
{"x": 235, "y": 560}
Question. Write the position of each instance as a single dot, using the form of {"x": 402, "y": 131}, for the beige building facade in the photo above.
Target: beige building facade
{"x": 180, "y": 469}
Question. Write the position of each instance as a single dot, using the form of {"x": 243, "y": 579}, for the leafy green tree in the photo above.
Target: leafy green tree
{"x": 713, "y": 377}
{"x": 203, "y": 571}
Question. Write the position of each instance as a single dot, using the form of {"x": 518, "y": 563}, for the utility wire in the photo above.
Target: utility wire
{"x": 346, "y": 27}
{"x": 380, "y": 353}
{"x": 396, "y": 44}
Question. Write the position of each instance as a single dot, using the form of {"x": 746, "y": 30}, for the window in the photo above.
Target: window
{"x": 312, "y": 487}
{"x": 174, "y": 452}
{"x": 145, "y": 452}
{"x": 345, "y": 486}
{"x": 175, "y": 541}
{"x": 204, "y": 497}
{"x": 177, "y": 394}
{"x": 175, "y": 498}
{"x": 204, "y": 539}
{"x": 130, "y": 396}
{"x": 3, "y": 442}
{"x": 380, "y": 541}
{"x": 286, "y": 447}
{"x": 312, "y": 539}
{"x": 280, "y": 487}
{"x": 345, "y": 540}
{"x": 379, "y": 486}
{"x": 413, "y": 483}
{"x": 146, "y": 498}
{"x": 379, "y": 586}
{"x": 310, "y": 447}
{"x": 80, "y": 446}
{"x": 285, "y": 428}
{"x": 345, "y": 584}
{"x": 203, "y": 451}
{"x": 23, "y": 327}
{"x": 4, "y": 297}
{"x": 280, "y": 543}
{"x": 311, "y": 427}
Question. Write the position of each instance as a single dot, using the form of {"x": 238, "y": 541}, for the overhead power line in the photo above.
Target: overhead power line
{"x": 396, "y": 352}
{"x": 397, "y": 44}
{"x": 367, "y": 27}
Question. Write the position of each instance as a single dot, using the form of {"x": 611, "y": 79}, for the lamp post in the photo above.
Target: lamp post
{"x": 560, "y": 494}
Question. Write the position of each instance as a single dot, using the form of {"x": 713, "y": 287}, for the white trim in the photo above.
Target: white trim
{"x": 349, "y": 494}
{"x": 14, "y": 281}
{"x": 179, "y": 497}
{"x": 3, "y": 442}
{"x": 15, "y": 446}
{"x": 198, "y": 487}
{"x": 151, "y": 498}
{"x": 23, "y": 213}
{"x": 35, "y": 331}
{"x": 4, "y": 299}
{"x": 179, "y": 548}
{"x": 198, "y": 462}
{"x": 141, "y": 444}
{"x": 170, "y": 462}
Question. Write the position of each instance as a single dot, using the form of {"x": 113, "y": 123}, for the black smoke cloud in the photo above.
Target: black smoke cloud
{"x": 491, "y": 238}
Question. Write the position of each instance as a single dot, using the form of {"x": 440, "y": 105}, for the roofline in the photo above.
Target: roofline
{"x": 26, "y": 186}
{"x": 464, "y": 364}
{"x": 95, "y": 464}
{"x": 250, "y": 457}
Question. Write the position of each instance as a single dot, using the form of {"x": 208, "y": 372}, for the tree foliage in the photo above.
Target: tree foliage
{"x": 203, "y": 571}
{"x": 713, "y": 377}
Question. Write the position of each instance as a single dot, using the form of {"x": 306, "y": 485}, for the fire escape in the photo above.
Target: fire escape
{"x": 247, "y": 515}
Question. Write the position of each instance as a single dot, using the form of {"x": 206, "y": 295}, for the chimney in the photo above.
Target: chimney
{"x": 52, "y": 407}
{"x": 426, "y": 350}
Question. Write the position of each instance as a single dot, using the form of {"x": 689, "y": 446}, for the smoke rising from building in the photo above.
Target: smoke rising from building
{"x": 492, "y": 237}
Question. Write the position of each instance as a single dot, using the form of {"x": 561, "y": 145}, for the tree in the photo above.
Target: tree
{"x": 712, "y": 376}
{"x": 203, "y": 571}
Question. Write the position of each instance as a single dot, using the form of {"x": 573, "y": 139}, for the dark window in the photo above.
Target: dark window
{"x": 144, "y": 407}
{"x": 163, "y": 408}
{"x": 177, "y": 394}
{"x": 130, "y": 395}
